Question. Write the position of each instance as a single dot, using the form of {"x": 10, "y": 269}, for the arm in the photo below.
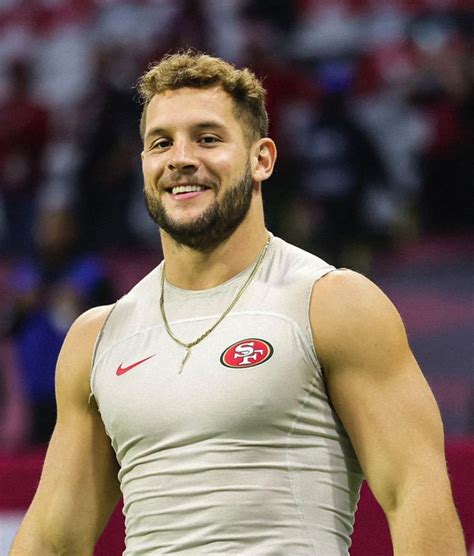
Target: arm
{"x": 78, "y": 488}
{"x": 388, "y": 410}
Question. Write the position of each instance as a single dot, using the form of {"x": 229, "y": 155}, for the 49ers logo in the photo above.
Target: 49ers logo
{"x": 247, "y": 353}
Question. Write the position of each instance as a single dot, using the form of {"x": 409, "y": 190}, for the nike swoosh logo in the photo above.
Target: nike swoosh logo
{"x": 122, "y": 370}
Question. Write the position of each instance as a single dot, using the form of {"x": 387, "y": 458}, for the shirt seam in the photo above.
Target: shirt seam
{"x": 289, "y": 470}
{"x": 308, "y": 352}
{"x": 92, "y": 373}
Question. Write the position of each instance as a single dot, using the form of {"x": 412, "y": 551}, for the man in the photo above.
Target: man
{"x": 232, "y": 388}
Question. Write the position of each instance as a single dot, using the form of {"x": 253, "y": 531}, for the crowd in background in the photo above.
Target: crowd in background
{"x": 371, "y": 103}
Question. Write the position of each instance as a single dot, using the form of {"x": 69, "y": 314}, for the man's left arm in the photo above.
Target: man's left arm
{"x": 388, "y": 410}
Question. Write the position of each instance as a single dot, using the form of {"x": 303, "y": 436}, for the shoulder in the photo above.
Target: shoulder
{"x": 296, "y": 254}
{"x": 350, "y": 292}
{"x": 75, "y": 358}
{"x": 352, "y": 317}
{"x": 88, "y": 325}
{"x": 295, "y": 264}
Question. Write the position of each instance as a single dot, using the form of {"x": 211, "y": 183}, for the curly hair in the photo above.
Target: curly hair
{"x": 198, "y": 70}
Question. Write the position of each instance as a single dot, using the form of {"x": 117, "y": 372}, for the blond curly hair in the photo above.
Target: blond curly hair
{"x": 196, "y": 69}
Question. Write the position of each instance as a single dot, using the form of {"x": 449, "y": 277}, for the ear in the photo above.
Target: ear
{"x": 263, "y": 156}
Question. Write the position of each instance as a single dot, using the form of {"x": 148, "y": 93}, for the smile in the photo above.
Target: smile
{"x": 187, "y": 191}
{"x": 179, "y": 189}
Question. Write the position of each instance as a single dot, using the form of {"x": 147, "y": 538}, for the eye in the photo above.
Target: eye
{"x": 208, "y": 140}
{"x": 161, "y": 144}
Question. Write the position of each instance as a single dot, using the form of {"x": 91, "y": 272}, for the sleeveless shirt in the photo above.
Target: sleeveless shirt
{"x": 240, "y": 453}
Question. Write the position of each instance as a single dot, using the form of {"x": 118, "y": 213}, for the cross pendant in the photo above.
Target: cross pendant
{"x": 185, "y": 358}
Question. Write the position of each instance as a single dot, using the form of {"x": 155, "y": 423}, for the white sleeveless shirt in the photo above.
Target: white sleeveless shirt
{"x": 242, "y": 452}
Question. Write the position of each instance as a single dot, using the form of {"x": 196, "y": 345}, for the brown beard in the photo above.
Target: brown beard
{"x": 215, "y": 224}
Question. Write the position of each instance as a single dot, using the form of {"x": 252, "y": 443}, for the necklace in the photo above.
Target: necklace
{"x": 189, "y": 345}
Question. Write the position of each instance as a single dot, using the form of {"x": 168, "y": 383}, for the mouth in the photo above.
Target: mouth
{"x": 186, "y": 191}
{"x": 186, "y": 188}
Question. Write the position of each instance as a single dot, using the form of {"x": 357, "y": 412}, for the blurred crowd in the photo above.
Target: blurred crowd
{"x": 371, "y": 103}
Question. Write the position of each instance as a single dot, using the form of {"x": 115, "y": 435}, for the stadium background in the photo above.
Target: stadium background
{"x": 371, "y": 103}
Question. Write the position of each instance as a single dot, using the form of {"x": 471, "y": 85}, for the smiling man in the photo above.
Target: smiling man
{"x": 220, "y": 189}
{"x": 240, "y": 392}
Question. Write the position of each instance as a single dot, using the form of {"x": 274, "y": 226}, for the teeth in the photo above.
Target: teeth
{"x": 186, "y": 189}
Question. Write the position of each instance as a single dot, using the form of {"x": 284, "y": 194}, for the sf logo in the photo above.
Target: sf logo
{"x": 247, "y": 353}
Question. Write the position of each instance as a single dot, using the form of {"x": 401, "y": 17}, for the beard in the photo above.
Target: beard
{"x": 215, "y": 224}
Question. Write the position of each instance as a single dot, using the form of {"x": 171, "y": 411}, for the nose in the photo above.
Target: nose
{"x": 182, "y": 158}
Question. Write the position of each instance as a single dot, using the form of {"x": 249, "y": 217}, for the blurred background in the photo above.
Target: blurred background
{"x": 371, "y": 103}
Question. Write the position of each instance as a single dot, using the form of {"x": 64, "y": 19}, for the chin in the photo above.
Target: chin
{"x": 184, "y": 220}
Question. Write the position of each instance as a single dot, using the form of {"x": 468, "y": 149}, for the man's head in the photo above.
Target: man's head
{"x": 201, "y": 71}
{"x": 205, "y": 149}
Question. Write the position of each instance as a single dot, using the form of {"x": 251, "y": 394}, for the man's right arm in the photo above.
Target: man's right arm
{"x": 78, "y": 489}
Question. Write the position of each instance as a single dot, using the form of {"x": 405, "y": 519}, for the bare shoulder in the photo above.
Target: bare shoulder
{"x": 75, "y": 358}
{"x": 351, "y": 315}
{"x": 348, "y": 289}
{"x": 91, "y": 321}
{"x": 350, "y": 297}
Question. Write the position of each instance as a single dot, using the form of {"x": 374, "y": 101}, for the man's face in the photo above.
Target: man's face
{"x": 198, "y": 181}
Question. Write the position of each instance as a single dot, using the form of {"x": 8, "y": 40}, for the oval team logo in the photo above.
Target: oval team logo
{"x": 247, "y": 353}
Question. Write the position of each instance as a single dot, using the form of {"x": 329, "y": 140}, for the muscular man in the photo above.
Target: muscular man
{"x": 239, "y": 393}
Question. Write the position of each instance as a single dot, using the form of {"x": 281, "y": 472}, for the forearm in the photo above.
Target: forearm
{"x": 33, "y": 539}
{"x": 27, "y": 544}
{"x": 424, "y": 524}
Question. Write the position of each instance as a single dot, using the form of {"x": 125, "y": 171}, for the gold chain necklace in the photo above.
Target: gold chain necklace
{"x": 189, "y": 345}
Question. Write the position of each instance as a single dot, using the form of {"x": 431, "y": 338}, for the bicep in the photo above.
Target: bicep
{"x": 78, "y": 488}
{"x": 394, "y": 425}
{"x": 379, "y": 392}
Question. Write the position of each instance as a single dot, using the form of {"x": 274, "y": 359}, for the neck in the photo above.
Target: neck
{"x": 190, "y": 269}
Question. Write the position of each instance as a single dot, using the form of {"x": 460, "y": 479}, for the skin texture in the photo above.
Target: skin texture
{"x": 373, "y": 380}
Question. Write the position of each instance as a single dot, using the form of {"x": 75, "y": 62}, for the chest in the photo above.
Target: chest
{"x": 249, "y": 377}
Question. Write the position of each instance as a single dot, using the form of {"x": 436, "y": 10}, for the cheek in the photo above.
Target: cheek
{"x": 151, "y": 169}
{"x": 228, "y": 167}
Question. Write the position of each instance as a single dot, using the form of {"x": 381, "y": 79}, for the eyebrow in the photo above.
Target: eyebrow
{"x": 210, "y": 124}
